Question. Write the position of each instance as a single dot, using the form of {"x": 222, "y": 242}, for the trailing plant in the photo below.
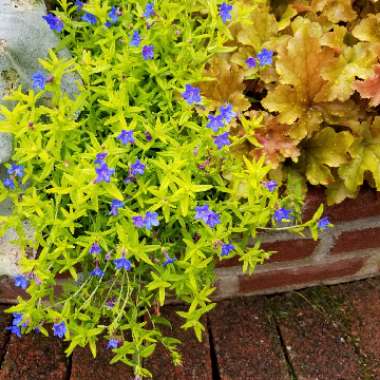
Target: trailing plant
{"x": 132, "y": 194}
{"x": 319, "y": 100}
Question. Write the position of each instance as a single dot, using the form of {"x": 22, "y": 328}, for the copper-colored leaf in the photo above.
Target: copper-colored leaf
{"x": 276, "y": 143}
{"x": 335, "y": 10}
{"x": 227, "y": 85}
{"x": 370, "y": 88}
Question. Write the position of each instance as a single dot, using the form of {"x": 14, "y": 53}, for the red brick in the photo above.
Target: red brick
{"x": 301, "y": 275}
{"x": 316, "y": 342}
{"x": 34, "y": 357}
{"x": 356, "y": 240}
{"x": 85, "y": 367}
{"x": 8, "y": 291}
{"x": 361, "y": 309}
{"x": 196, "y": 355}
{"x": 246, "y": 342}
{"x": 366, "y": 204}
{"x": 287, "y": 250}
{"x": 5, "y": 321}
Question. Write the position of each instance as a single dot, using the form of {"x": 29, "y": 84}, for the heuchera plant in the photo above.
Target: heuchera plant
{"x": 318, "y": 101}
{"x": 133, "y": 195}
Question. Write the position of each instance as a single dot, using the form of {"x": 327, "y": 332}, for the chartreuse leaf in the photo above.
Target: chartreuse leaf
{"x": 327, "y": 149}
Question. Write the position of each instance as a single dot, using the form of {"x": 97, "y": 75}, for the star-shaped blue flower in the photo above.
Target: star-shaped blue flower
{"x": 90, "y": 18}
{"x": 225, "y": 12}
{"x": 54, "y": 22}
{"x": 9, "y": 183}
{"x": 95, "y": 249}
{"x": 126, "y": 137}
{"x": 323, "y": 223}
{"x": 97, "y": 272}
{"x": 168, "y": 260}
{"x": 192, "y": 94}
{"x": 100, "y": 158}
{"x": 151, "y": 220}
{"x": 222, "y": 140}
{"x": 39, "y": 80}
{"x": 271, "y": 185}
{"x": 115, "y": 205}
{"x": 137, "y": 168}
{"x": 17, "y": 319}
{"x": 149, "y": 10}
{"x": 148, "y": 52}
{"x": 226, "y": 249}
{"x": 282, "y": 214}
{"x": 123, "y": 263}
{"x": 265, "y": 57}
{"x": 204, "y": 213}
{"x": 215, "y": 122}
{"x": 16, "y": 170}
{"x": 59, "y": 329}
{"x": 21, "y": 281}
{"x": 104, "y": 173}
{"x": 227, "y": 112}
{"x": 14, "y": 330}
{"x": 112, "y": 344}
{"x": 79, "y": 4}
{"x": 136, "y": 39}
{"x": 251, "y": 62}
{"x": 138, "y": 221}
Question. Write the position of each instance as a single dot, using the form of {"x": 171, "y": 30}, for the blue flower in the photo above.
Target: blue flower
{"x": 113, "y": 343}
{"x": 138, "y": 221}
{"x": 215, "y": 122}
{"x": 210, "y": 217}
{"x": 16, "y": 170}
{"x": 282, "y": 214}
{"x": 202, "y": 212}
{"x": 14, "y": 330}
{"x": 115, "y": 205}
{"x": 8, "y": 182}
{"x": 114, "y": 14}
{"x": 169, "y": 260}
{"x": 126, "y": 137}
{"x": 39, "y": 80}
{"x": 79, "y": 4}
{"x": 90, "y": 18}
{"x": 100, "y": 158}
{"x": 95, "y": 249}
{"x": 225, "y": 12}
{"x": 265, "y": 57}
{"x": 192, "y": 94}
{"x": 226, "y": 249}
{"x": 136, "y": 39}
{"x": 227, "y": 113}
{"x": 251, "y": 62}
{"x": 97, "y": 272}
{"x": 213, "y": 219}
{"x": 222, "y": 140}
{"x": 104, "y": 173}
{"x": 150, "y": 220}
{"x": 323, "y": 223}
{"x": 271, "y": 185}
{"x": 137, "y": 168}
{"x": 21, "y": 281}
{"x": 17, "y": 319}
{"x": 59, "y": 329}
{"x": 122, "y": 263}
{"x": 149, "y": 10}
{"x": 54, "y": 22}
{"x": 148, "y": 52}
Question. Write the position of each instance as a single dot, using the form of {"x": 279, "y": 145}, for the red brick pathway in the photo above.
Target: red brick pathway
{"x": 322, "y": 333}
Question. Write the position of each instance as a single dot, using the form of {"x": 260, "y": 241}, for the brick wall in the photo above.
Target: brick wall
{"x": 349, "y": 251}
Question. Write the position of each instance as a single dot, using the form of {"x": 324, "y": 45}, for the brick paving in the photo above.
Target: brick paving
{"x": 321, "y": 333}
